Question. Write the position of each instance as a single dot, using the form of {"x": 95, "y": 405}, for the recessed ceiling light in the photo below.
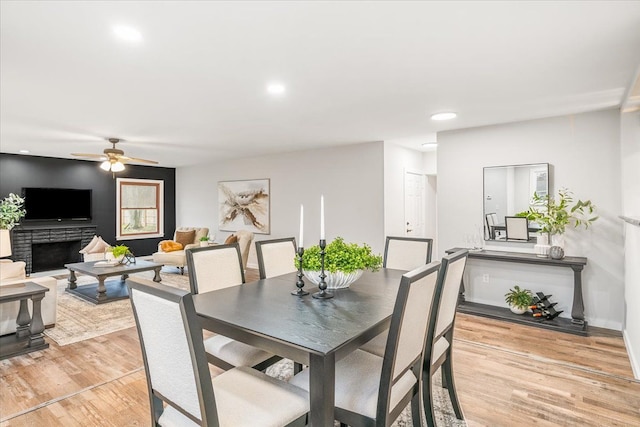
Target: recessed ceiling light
{"x": 430, "y": 144}
{"x": 443, "y": 116}
{"x": 276, "y": 88}
{"x": 129, "y": 34}
{"x": 24, "y": 151}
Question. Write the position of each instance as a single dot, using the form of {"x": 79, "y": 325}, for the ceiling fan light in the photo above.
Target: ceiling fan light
{"x": 117, "y": 167}
{"x": 106, "y": 165}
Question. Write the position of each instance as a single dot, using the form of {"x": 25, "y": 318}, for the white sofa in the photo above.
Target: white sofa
{"x": 14, "y": 272}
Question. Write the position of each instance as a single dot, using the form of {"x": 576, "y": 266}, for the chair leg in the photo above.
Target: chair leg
{"x": 181, "y": 270}
{"x": 447, "y": 375}
{"x": 416, "y": 412}
{"x": 427, "y": 398}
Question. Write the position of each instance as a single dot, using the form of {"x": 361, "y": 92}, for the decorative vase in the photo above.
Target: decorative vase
{"x": 204, "y": 244}
{"x": 337, "y": 280}
{"x": 542, "y": 246}
{"x": 556, "y": 252}
{"x": 517, "y": 310}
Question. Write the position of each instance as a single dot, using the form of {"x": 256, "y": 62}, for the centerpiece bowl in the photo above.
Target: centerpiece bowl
{"x": 337, "y": 280}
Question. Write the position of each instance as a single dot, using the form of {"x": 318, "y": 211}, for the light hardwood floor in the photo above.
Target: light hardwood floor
{"x": 506, "y": 375}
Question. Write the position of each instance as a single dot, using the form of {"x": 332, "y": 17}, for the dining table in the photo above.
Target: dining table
{"x": 314, "y": 332}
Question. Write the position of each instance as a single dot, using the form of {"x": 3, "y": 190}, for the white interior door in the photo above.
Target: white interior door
{"x": 414, "y": 204}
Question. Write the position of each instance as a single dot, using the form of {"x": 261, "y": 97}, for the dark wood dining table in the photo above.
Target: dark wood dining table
{"x": 310, "y": 331}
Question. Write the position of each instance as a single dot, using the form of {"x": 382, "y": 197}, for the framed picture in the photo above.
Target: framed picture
{"x": 139, "y": 208}
{"x": 244, "y": 205}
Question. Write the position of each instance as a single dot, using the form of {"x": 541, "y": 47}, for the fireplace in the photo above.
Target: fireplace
{"x": 54, "y": 255}
{"x": 49, "y": 247}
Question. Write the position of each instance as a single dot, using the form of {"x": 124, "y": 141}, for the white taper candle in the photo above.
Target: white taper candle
{"x": 322, "y": 217}
{"x": 301, "y": 242}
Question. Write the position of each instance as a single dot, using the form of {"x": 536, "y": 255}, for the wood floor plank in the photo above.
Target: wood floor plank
{"x": 506, "y": 375}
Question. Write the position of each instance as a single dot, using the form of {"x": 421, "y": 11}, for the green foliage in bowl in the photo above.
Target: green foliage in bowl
{"x": 119, "y": 250}
{"x": 341, "y": 256}
{"x": 517, "y": 297}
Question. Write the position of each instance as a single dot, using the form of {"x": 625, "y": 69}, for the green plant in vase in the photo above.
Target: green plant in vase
{"x": 11, "y": 211}
{"x": 119, "y": 252}
{"x": 554, "y": 214}
{"x": 518, "y": 299}
{"x": 204, "y": 241}
{"x": 344, "y": 262}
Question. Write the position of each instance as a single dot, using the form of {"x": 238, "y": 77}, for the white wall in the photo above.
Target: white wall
{"x": 350, "y": 177}
{"x": 630, "y": 152}
{"x": 584, "y": 151}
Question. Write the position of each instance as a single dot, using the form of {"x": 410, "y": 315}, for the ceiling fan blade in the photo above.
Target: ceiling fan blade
{"x": 89, "y": 155}
{"x": 136, "y": 160}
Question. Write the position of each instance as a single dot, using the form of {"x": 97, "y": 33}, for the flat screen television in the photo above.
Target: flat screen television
{"x": 57, "y": 204}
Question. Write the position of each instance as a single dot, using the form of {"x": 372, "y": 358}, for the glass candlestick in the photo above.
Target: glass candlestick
{"x": 300, "y": 282}
{"x": 323, "y": 294}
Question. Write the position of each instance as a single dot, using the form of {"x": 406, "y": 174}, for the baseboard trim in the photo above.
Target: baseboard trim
{"x": 635, "y": 363}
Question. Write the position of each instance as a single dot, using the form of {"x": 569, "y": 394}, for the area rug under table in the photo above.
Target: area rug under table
{"x": 79, "y": 320}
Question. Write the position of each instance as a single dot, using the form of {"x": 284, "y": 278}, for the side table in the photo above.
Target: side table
{"x": 29, "y": 333}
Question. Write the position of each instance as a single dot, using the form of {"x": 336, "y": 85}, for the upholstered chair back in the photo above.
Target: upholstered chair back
{"x": 407, "y": 253}
{"x": 517, "y": 228}
{"x": 214, "y": 267}
{"x": 245, "y": 238}
{"x": 276, "y": 257}
{"x": 173, "y": 352}
{"x": 451, "y": 275}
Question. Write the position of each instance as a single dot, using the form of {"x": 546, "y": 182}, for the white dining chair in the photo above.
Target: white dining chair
{"x": 276, "y": 257}
{"x": 407, "y": 253}
{"x": 372, "y": 390}
{"x": 181, "y": 390}
{"x": 517, "y": 228}
{"x": 218, "y": 267}
{"x": 441, "y": 337}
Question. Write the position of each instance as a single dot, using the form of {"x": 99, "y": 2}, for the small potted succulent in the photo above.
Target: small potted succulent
{"x": 344, "y": 263}
{"x": 518, "y": 299}
{"x": 204, "y": 241}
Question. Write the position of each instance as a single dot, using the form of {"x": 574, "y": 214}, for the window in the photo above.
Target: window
{"x": 140, "y": 208}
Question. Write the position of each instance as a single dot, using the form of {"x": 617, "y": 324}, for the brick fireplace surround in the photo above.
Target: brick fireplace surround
{"x": 60, "y": 243}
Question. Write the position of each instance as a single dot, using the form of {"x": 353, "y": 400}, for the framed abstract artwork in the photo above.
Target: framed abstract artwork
{"x": 140, "y": 208}
{"x": 244, "y": 205}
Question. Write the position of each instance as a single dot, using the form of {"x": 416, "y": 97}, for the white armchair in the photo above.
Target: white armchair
{"x": 179, "y": 258}
{"x": 12, "y": 273}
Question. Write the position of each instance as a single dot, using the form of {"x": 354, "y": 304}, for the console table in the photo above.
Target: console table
{"x": 576, "y": 325}
{"x": 29, "y": 332}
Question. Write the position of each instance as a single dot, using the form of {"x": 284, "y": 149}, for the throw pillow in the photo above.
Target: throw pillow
{"x": 89, "y": 246}
{"x": 170, "y": 246}
{"x": 185, "y": 237}
{"x": 99, "y": 247}
{"x": 231, "y": 239}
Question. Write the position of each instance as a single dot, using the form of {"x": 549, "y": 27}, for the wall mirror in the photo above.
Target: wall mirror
{"x": 509, "y": 190}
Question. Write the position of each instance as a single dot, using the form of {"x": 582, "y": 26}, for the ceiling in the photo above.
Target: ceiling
{"x": 193, "y": 90}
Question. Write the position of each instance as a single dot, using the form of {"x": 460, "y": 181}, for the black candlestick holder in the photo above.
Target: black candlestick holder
{"x": 300, "y": 282}
{"x": 323, "y": 294}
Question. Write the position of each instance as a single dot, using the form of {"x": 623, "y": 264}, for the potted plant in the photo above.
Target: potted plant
{"x": 119, "y": 252}
{"x": 518, "y": 299}
{"x": 11, "y": 212}
{"x": 555, "y": 214}
{"x": 344, "y": 263}
{"x": 204, "y": 241}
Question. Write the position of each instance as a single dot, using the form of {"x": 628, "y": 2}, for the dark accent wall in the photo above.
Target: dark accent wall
{"x": 18, "y": 171}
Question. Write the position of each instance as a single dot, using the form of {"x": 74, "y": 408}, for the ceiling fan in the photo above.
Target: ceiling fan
{"x": 114, "y": 157}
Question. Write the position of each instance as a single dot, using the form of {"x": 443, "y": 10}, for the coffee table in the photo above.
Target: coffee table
{"x": 103, "y": 292}
{"x": 28, "y": 336}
